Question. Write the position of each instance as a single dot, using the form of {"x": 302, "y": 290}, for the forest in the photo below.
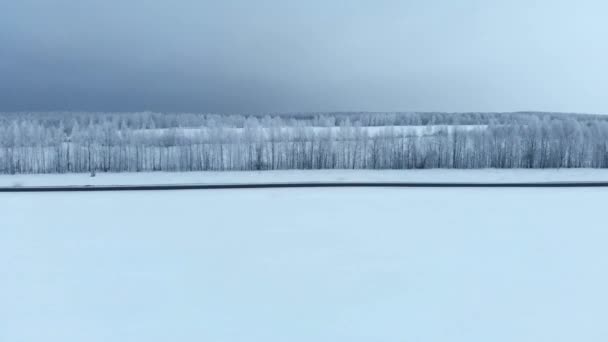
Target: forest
{"x": 135, "y": 142}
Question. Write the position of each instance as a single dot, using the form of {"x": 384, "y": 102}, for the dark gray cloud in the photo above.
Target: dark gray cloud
{"x": 316, "y": 55}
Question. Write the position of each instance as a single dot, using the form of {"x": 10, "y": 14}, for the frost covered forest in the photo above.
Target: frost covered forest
{"x": 134, "y": 142}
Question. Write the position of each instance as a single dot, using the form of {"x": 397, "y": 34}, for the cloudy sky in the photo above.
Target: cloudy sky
{"x": 306, "y": 55}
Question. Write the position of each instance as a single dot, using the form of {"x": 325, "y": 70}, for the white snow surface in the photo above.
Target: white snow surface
{"x": 370, "y": 130}
{"x": 275, "y": 265}
{"x": 230, "y": 177}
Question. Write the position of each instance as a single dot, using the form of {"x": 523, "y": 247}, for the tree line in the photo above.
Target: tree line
{"x": 119, "y": 142}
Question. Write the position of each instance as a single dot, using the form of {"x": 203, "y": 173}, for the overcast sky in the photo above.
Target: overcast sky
{"x": 306, "y": 55}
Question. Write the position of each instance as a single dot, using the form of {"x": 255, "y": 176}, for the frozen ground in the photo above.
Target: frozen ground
{"x": 305, "y": 265}
{"x": 435, "y": 175}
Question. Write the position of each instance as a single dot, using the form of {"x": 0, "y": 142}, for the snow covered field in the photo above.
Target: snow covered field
{"x": 432, "y": 175}
{"x": 306, "y": 264}
{"x": 266, "y": 132}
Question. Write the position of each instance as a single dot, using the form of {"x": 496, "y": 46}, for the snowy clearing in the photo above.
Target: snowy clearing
{"x": 336, "y": 130}
{"x": 230, "y": 177}
{"x": 305, "y": 265}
